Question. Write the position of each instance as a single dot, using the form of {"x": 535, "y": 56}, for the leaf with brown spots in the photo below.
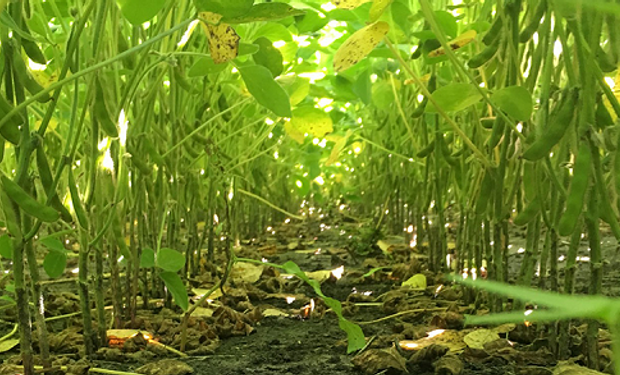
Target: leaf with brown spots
{"x": 349, "y": 4}
{"x": 223, "y": 39}
{"x": 456, "y": 43}
{"x": 359, "y": 45}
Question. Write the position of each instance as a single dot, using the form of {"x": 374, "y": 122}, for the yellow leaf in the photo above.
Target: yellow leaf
{"x": 223, "y": 39}
{"x": 359, "y": 45}
{"x": 348, "y": 4}
{"x": 417, "y": 281}
{"x": 294, "y": 133}
{"x": 337, "y": 149}
{"x": 377, "y": 8}
{"x": 456, "y": 43}
{"x": 312, "y": 121}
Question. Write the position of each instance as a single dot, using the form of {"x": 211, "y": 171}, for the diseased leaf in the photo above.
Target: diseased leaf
{"x": 265, "y": 12}
{"x": 223, "y": 39}
{"x": 359, "y": 45}
{"x": 312, "y": 121}
{"x": 456, "y": 43}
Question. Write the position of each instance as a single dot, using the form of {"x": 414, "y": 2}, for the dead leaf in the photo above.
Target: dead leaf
{"x": 274, "y": 312}
{"x": 479, "y": 337}
{"x": 374, "y": 360}
{"x": 246, "y": 272}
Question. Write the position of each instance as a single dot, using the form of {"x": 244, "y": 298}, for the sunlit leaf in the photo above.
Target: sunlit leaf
{"x": 55, "y": 263}
{"x": 359, "y": 45}
{"x": 294, "y": 133}
{"x": 170, "y": 260}
{"x": 223, "y": 39}
{"x": 377, "y": 9}
{"x": 265, "y": 12}
{"x": 140, "y": 11}
{"x": 516, "y": 101}
{"x": 266, "y": 90}
{"x": 296, "y": 87}
{"x": 175, "y": 286}
{"x": 313, "y": 121}
{"x": 349, "y": 4}
{"x": 454, "y": 97}
{"x": 417, "y": 281}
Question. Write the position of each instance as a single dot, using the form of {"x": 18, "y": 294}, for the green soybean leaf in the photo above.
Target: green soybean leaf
{"x": 139, "y": 11}
{"x": 265, "y": 90}
{"x": 268, "y": 56}
{"x": 204, "y": 66}
{"x": 53, "y": 244}
{"x": 454, "y": 97}
{"x": 147, "y": 258}
{"x": 227, "y": 8}
{"x": 6, "y": 247}
{"x": 175, "y": 286}
{"x": 516, "y": 101}
{"x": 170, "y": 260}
{"x": 55, "y": 263}
{"x": 265, "y": 12}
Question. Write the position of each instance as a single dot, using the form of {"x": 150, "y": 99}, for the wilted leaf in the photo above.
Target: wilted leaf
{"x": 359, "y": 45}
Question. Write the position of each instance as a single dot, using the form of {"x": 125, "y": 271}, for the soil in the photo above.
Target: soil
{"x": 315, "y": 343}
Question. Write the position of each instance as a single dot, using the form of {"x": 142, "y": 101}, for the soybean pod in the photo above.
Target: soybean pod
{"x": 102, "y": 113}
{"x": 485, "y": 55}
{"x": 577, "y": 191}
{"x": 45, "y": 175}
{"x": 528, "y": 213}
{"x": 27, "y": 203}
{"x": 78, "y": 208}
{"x": 25, "y": 78}
{"x": 532, "y": 26}
{"x": 557, "y": 126}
